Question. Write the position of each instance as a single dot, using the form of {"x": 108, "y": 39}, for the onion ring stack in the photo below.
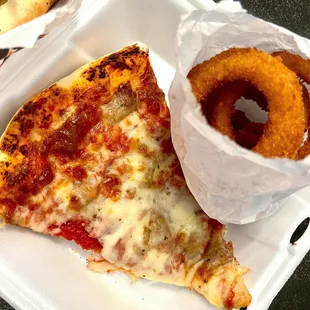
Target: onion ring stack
{"x": 274, "y": 82}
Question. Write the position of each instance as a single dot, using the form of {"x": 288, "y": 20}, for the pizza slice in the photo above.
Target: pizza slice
{"x": 17, "y": 12}
{"x": 90, "y": 159}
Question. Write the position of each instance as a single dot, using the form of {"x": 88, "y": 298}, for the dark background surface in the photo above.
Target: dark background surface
{"x": 294, "y": 15}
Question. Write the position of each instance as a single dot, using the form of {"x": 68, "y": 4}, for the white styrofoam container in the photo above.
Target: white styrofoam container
{"x": 42, "y": 272}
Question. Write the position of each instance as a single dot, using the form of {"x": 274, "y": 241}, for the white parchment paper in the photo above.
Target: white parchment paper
{"x": 231, "y": 184}
{"x": 26, "y": 35}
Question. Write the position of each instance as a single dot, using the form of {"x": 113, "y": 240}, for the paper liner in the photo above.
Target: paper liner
{"x": 231, "y": 184}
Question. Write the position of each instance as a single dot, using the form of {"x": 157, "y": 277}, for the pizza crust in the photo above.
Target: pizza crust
{"x": 17, "y": 12}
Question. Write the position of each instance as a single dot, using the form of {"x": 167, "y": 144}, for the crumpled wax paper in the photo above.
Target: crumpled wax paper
{"x": 27, "y": 34}
{"x": 231, "y": 184}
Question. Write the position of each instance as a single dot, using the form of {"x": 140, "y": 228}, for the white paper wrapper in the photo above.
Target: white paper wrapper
{"x": 230, "y": 183}
{"x": 26, "y": 35}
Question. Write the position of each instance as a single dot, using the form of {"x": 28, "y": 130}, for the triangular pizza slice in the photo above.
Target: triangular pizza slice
{"x": 90, "y": 159}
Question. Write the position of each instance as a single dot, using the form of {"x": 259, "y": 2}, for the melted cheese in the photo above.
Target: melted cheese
{"x": 126, "y": 219}
{"x": 122, "y": 223}
{"x": 4, "y": 157}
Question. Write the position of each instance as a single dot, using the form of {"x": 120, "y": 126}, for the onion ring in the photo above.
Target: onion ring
{"x": 224, "y": 107}
{"x": 305, "y": 148}
{"x": 246, "y": 133}
{"x": 249, "y": 135}
{"x": 252, "y": 93}
{"x": 295, "y": 63}
{"x": 306, "y": 100}
{"x": 239, "y": 127}
{"x": 283, "y": 133}
{"x": 301, "y": 67}
{"x": 239, "y": 120}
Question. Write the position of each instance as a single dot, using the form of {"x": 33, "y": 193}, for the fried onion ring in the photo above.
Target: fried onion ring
{"x": 305, "y": 149}
{"x": 295, "y": 63}
{"x": 283, "y": 132}
{"x": 224, "y": 107}
{"x": 246, "y": 137}
{"x": 246, "y": 134}
{"x": 306, "y": 100}
{"x": 234, "y": 123}
{"x": 239, "y": 120}
{"x": 249, "y": 135}
{"x": 252, "y": 93}
{"x": 301, "y": 67}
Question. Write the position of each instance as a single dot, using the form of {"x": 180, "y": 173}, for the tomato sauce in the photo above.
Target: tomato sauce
{"x": 110, "y": 186}
{"x": 177, "y": 178}
{"x": 74, "y": 230}
{"x": 65, "y": 141}
{"x": 46, "y": 176}
{"x": 167, "y": 147}
{"x": 115, "y": 140}
{"x": 153, "y": 106}
{"x": 10, "y": 207}
{"x": 214, "y": 226}
{"x": 78, "y": 172}
{"x": 153, "y": 110}
{"x": 41, "y": 102}
{"x": 230, "y": 297}
{"x": 179, "y": 259}
{"x": 29, "y": 177}
{"x": 120, "y": 248}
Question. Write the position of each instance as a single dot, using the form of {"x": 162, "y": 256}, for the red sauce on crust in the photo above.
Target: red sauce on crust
{"x": 111, "y": 186}
{"x": 74, "y": 230}
{"x": 179, "y": 259}
{"x": 115, "y": 140}
{"x": 25, "y": 126}
{"x": 46, "y": 176}
{"x": 10, "y": 207}
{"x": 29, "y": 177}
{"x": 153, "y": 109}
{"x": 153, "y": 106}
{"x": 41, "y": 102}
{"x": 214, "y": 225}
{"x": 46, "y": 121}
{"x": 94, "y": 96}
{"x": 167, "y": 146}
{"x": 78, "y": 172}
{"x": 177, "y": 177}
{"x": 120, "y": 248}
{"x": 65, "y": 140}
{"x": 230, "y": 297}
